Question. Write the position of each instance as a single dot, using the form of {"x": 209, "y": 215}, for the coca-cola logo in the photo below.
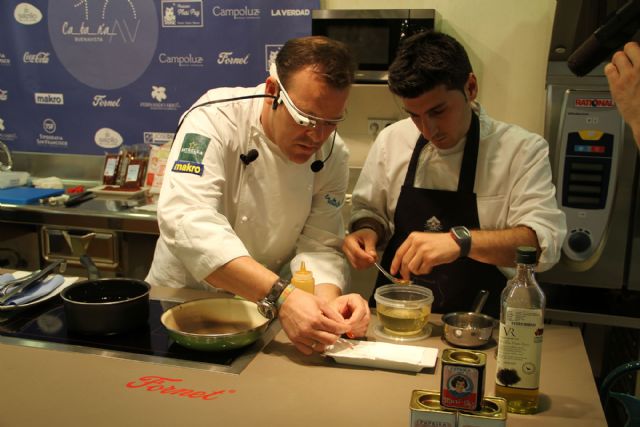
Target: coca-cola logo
{"x": 36, "y": 58}
{"x": 171, "y": 387}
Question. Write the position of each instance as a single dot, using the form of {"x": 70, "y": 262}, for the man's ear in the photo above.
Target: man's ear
{"x": 272, "y": 89}
{"x": 471, "y": 87}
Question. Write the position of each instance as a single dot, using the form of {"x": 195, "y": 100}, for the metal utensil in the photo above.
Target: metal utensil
{"x": 31, "y": 279}
{"x": 392, "y": 278}
{"x": 10, "y": 285}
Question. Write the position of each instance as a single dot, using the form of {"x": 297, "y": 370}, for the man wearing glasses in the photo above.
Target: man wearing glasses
{"x": 255, "y": 184}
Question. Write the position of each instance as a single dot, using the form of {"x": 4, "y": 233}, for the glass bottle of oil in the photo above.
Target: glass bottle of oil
{"x": 520, "y": 341}
{"x": 303, "y": 279}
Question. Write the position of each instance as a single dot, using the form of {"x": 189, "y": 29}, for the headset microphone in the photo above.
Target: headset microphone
{"x": 250, "y": 156}
{"x": 317, "y": 165}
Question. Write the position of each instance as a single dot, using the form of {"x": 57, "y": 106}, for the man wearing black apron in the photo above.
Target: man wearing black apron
{"x": 454, "y": 284}
{"x": 450, "y": 193}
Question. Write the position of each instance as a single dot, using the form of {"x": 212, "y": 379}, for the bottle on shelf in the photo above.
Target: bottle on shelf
{"x": 522, "y": 305}
{"x": 303, "y": 279}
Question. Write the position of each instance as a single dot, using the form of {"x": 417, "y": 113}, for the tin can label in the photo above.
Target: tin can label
{"x": 460, "y": 385}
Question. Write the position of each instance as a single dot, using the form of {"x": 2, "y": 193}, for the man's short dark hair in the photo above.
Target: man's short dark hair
{"x": 330, "y": 58}
{"x": 427, "y": 60}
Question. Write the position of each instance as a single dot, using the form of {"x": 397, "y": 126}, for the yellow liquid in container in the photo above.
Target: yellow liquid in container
{"x": 403, "y": 321}
{"x": 303, "y": 279}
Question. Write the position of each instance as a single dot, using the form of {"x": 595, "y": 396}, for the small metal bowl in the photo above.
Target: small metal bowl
{"x": 468, "y": 329}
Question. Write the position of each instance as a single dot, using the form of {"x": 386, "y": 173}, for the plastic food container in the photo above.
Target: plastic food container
{"x": 403, "y": 310}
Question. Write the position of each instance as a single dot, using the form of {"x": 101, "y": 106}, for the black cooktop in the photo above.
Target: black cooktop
{"x": 148, "y": 343}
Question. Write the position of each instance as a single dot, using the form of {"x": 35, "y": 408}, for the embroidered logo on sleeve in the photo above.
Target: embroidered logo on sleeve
{"x": 332, "y": 201}
{"x": 191, "y": 154}
{"x": 193, "y": 148}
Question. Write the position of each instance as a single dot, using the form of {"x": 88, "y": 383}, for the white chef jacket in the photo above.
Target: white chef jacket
{"x": 273, "y": 209}
{"x": 513, "y": 180}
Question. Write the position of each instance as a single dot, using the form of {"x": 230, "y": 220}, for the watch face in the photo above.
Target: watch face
{"x": 266, "y": 309}
{"x": 461, "y": 232}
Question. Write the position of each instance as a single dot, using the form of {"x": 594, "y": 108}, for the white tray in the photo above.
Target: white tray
{"x": 383, "y": 355}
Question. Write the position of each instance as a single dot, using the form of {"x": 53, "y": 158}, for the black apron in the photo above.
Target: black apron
{"x": 454, "y": 285}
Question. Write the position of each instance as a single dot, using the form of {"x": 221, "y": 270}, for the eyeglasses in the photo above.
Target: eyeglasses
{"x": 300, "y": 117}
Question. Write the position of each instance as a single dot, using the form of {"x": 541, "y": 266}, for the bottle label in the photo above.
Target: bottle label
{"x": 520, "y": 348}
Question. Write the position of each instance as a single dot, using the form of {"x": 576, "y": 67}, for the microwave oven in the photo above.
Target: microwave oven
{"x": 372, "y": 35}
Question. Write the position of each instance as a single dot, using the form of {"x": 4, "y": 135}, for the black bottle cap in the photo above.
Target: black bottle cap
{"x": 526, "y": 255}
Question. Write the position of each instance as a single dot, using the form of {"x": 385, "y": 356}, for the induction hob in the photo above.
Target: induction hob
{"x": 45, "y": 327}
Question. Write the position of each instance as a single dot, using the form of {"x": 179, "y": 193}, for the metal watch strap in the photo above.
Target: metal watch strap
{"x": 276, "y": 289}
{"x": 267, "y": 306}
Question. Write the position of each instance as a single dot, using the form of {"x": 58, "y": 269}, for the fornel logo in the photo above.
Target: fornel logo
{"x": 165, "y": 385}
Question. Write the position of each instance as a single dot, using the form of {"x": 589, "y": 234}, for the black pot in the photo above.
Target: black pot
{"x": 106, "y": 306}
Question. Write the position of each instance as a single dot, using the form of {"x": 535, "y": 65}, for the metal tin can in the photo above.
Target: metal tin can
{"x": 427, "y": 412}
{"x": 462, "y": 381}
{"x": 492, "y": 414}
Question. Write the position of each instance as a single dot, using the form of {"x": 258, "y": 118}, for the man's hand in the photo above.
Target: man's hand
{"x": 311, "y": 323}
{"x": 360, "y": 248}
{"x": 355, "y": 310}
{"x": 422, "y": 251}
{"x": 623, "y": 74}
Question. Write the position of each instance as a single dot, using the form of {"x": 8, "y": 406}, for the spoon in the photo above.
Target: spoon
{"x": 390, "y": 277}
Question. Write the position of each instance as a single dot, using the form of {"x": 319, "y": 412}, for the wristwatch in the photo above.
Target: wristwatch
{"x": 462, "y": 237}
{"x": 267, "y": 306}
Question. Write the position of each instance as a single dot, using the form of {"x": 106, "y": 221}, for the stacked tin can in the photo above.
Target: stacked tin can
{"x": 461, "y": 401}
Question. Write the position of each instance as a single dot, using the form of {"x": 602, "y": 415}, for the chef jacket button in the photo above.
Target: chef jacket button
{"x": 244, "y": 218}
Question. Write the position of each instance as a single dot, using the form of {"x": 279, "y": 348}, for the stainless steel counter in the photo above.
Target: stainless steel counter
{"x": 99, "y": 213}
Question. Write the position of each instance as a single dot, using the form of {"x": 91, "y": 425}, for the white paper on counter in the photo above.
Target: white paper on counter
{"x": 383, "y": 355}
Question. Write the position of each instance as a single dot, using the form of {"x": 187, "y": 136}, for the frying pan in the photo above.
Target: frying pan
{"x": 469, "y": 329}
{"x": 215, "y": 324}
{"x": 105, "y": 306}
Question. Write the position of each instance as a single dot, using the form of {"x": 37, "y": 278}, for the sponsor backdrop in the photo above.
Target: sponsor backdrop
{"x": 86, "y": 76}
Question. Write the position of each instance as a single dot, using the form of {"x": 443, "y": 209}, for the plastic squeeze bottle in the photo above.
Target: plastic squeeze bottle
{"x": 303, "y": 279}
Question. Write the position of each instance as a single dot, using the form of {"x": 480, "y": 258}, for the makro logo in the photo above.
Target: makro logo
{"x": 594, "y": 102}
{"x": 49, "y": 125}
{"x": 181, "y": 61}
{"x": 49, "y": 98}
{"x": 4, "y": 95}
{"x": 36, "y": 58}
{"x": 227, "y": 58}
{"x": 243, "y": 13}
{"x": 290, "y": 12}
{"x": 102, "y": 101}
{"x": 188, "y": 167}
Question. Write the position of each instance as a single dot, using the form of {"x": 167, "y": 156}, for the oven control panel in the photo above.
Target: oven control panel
{"x": 589, "y": 146}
